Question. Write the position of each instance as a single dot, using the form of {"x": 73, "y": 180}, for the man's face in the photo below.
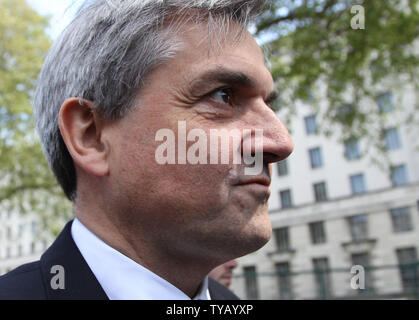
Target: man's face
{"x": 224, "y": 273}
{"x": 211, "y": 210}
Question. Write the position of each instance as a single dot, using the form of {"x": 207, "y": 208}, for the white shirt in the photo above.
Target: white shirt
{"x": 121, "y": 277}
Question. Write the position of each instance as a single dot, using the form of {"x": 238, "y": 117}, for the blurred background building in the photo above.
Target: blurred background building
{"x": 20, "y": 240}
{"x": 332, "y": 209}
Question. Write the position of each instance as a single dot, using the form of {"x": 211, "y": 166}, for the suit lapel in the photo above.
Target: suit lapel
{"x": 79, "y": 281}
{"x": 219, "y": 292}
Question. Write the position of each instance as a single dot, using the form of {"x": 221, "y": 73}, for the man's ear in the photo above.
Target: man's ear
{"x": 81, "y": 128}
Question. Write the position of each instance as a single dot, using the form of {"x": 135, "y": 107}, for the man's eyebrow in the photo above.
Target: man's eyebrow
{"x": 218, "y": 76}
{"x": 221, "y": 75}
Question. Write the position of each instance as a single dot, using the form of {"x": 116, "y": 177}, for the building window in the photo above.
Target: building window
{"x": 408, "y": 268}
{"x": 282, "y": 239}
{"x": 45, "y": 244}
{"x": 33, "y": 247}
{"x": 385, "y": 102}
{"x": 392, "y": 139}
{"x": 317, "y": 232}
{"x": 359, "y": 227}
{"x": 363, "y": 259}
{"x": 282, "y": 167}
{"x": 311, "y": 125}
{"x": 286, "y": 199}
{"x": 34, "y": 227}
{"x": 399, "y": 175}
{"x": 308, "y": 96}
{"x": 9, "y": 233}
{"x": 21, "y": 228}
{"x": 358, "y": 184}
{"x": 251, "y": 282}
{"x": 320, "y": 192}
{"x": 352, "y": 150}
{"x": 400, "y": 218}
{"x": 283, "y": 272}
{"x": 322, "y": 277}
{"x": 345, "y": 113}
{"x": 316, "y": 159}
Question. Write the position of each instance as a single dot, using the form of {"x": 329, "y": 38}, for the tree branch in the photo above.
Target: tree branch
{"x": 293, "y": 15}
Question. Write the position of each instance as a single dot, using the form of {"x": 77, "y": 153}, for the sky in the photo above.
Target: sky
{"x": 61, "y": 12}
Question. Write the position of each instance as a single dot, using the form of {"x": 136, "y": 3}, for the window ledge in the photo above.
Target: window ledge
{"x": 358, "y": 246}
{"x": 282, "y": 253}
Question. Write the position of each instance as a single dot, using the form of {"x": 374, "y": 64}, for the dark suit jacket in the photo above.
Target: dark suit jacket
{"x": 32, "y": 281}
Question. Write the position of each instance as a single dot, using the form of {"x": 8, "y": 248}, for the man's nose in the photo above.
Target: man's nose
{"x": 277, "y": 142}
{"x": 232, "y": 264}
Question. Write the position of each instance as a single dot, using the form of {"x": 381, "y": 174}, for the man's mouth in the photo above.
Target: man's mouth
{"x": 263, "y": 180}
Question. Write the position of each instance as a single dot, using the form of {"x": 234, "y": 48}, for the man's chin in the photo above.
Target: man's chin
{"x": 260, "y": 228}
{"x": 259, "y": 240}
{"x": 255, "y": 238}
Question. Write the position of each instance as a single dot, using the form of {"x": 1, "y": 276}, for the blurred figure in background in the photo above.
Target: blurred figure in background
{"x": 224, "y": 273}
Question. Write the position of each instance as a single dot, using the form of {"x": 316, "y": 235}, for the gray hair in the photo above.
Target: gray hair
{"x": 104, "y": 56}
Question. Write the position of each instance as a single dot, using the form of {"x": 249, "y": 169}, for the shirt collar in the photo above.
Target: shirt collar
{"x": 121, "y": 277}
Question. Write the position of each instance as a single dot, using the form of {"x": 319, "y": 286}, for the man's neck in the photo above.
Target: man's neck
{"x": 183, "y": 273}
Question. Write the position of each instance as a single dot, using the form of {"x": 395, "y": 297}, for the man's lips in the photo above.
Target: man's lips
{"x": 263, "y": 180}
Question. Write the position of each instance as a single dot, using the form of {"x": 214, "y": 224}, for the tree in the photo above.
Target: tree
{"x": 317, "y": 43}
{"x": 26, "y": 182}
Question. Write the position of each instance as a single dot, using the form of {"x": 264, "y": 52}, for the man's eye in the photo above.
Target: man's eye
{"x": 222, "y": 96}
